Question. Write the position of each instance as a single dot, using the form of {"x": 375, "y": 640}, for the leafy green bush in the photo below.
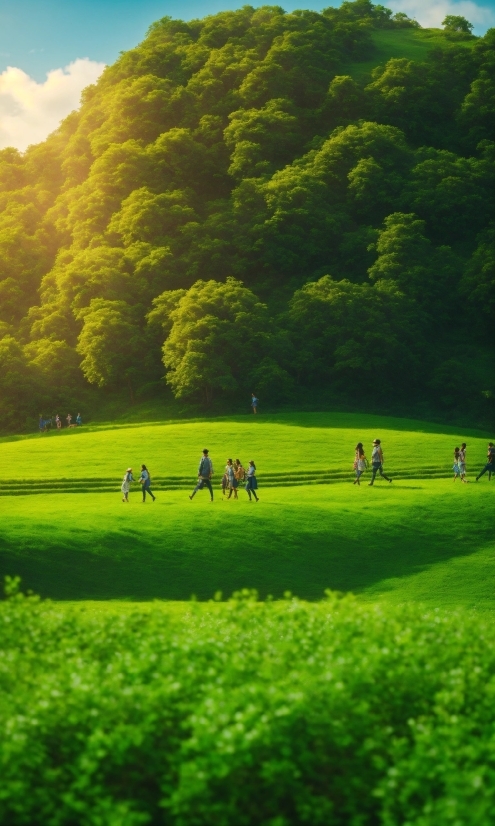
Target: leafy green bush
{"x": 246, "y": 713}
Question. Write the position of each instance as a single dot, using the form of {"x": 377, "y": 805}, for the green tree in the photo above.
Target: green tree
{"x": 451, "y": 193}
{"x": 358, "y": 337}
{"x": 17, "y": 384}
{"x": 345, "y": 102}
{"x": 457, "y": 23}
{"x": 263, "y": 139}
{"x": 111, "y": 345}
{"x": 478, "y": 282}
{"x": 219, "y": 334}
{"x": 408, "y": 258}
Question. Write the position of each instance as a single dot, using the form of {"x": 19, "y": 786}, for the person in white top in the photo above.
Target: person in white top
{"x": 126, "y": 484}
{"x": 360, "y": 463}
{"x": 377, "y": 462}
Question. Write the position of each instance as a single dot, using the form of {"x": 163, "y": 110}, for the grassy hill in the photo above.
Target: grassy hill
{"x": 413, "y": 44}
{"x": 419, "y": 538}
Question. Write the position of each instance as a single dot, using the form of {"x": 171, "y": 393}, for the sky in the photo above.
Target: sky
{"x": 50, "y": 50}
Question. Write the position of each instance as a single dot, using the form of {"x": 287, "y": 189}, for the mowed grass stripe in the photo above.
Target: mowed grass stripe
{"x": 41, "y": 486}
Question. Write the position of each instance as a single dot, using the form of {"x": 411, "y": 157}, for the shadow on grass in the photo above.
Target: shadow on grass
{"x": 111, "y": 566}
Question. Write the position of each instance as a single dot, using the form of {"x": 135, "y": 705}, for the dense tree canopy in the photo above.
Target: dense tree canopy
{"x": 238, "y": 206}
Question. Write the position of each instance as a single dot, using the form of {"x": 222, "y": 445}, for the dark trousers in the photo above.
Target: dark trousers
{"x": 203, "y": 483}
{"x": 489, "y": 468}
{"x": 377, "y": 469}
{"x": 147, "y": 489}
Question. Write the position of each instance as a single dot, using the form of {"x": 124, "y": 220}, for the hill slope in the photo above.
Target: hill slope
{"x": 257, "y": 147}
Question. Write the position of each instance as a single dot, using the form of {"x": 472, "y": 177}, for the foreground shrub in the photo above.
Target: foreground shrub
{"x": 246, "y": 713}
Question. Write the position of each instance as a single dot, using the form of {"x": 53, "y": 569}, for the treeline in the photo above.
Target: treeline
{"x": 232, "y": 210}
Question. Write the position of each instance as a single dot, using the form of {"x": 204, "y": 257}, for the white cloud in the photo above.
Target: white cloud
{"x": 430, "y": 13}
{"x": 29, "y": 111}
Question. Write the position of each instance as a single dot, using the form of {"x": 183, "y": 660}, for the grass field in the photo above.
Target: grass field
{"x": 421, "y": 538}
{"x": 413, "y": 44}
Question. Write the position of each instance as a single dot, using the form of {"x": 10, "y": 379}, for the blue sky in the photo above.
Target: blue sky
{"x": 39, "y": 35}
{"x": 50, "y": 50}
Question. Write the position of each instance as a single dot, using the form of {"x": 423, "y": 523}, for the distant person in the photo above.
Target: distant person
{"x": 490, "y": 463}
{"x": 462, "y": 463}
{"x": 254, "y": 403}
{"x": 41, "y": 425}
{"x": 360, "y": 463}
{"x": 232, "y": 481}
{"x": 58, "y": 422}
{"x": 145, "y": 480}
{"x": 68, "y": 419}
{"x": 377, "y": 460}
{"x": 126, "y": 484}
{"x": 205, "y": 472}
{"x": 455, "y": 466}
{"x": 78, "y": 420}
{"x": 252, "y": 482}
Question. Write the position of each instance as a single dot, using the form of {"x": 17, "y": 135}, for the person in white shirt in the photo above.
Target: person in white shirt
{"x": 360, "y": 463}
{"x": 377, "y": 462}
{"x": 126, "y": 484}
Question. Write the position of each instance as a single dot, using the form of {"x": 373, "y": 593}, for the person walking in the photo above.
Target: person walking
{"x": 225, "y": 483}
{"x": 455, "y": 466}
{"x": 78, "y": 420}
{"x": 462, "y": 463}
{"x": 254, "y": 403}
{"x": 68, "y": 419}
{"x": 377, "y": 460}
{"x": 58, "y": 421}
{"x": 232, "y": 481}
{"x": 490, "y": 463}
{"x": 205, "y": 472}
{"x": 240, "y": 473}
{"x": 145, "y": 480}
{"x": 252, "y": 482}
{"x": 126, "y": 484}
{"x": 360, "y": 463}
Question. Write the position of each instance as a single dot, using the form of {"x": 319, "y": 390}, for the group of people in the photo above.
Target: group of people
{"x": 144, "y": 480}
{"x": 361, "y": 462}
{"x": 459, "y": 467}
{"x": 45, "y": 425}
{"x": 234, "y": 475}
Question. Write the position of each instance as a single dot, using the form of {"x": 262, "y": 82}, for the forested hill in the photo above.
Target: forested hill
{"x": 293, "y": 204}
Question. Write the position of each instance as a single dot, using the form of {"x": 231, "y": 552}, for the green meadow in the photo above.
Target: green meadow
{"x": 65, "y": 531}
{"x": 412, "y": 44}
